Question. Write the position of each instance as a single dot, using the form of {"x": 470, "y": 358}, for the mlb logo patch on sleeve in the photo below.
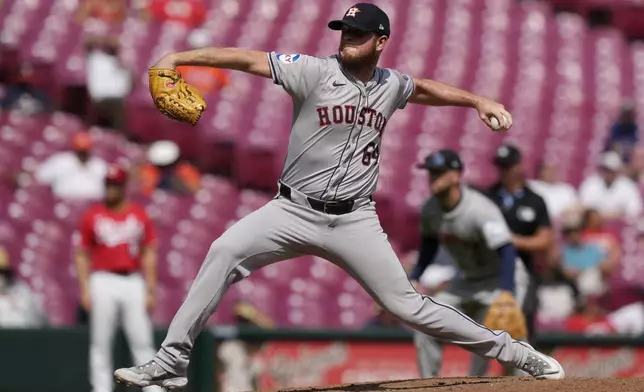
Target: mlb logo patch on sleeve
{"x": 288, "y": 58}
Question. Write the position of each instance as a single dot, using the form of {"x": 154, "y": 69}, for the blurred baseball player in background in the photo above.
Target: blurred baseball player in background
{"x": 473, "y": 231}
{"x": 341, "y": 106}
{"x": 116, "y": 269}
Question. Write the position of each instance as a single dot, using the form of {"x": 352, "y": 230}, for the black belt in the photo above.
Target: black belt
{"x": 122, "y": 272}
{"x": 333, "y": 207}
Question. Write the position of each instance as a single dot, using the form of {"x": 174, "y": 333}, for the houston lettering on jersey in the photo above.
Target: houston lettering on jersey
{"x": 347, "y": 115}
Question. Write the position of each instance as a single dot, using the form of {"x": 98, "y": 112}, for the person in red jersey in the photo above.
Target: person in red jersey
{"x": 116, "y": 269}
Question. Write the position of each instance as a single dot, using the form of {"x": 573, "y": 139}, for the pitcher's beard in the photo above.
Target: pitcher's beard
{"x": 353, "y": 62}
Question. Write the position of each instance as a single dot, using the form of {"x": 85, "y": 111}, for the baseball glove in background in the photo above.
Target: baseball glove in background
{"x": 505, "y": 314}
{"x": 174, "y": 97}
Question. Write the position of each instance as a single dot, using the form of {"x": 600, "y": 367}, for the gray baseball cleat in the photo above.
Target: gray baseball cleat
{"x": 542, "y": 366}
{"x": 149, "y": 374}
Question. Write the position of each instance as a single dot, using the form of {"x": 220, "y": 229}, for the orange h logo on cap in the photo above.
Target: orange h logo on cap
{"x": 352, "y": 11}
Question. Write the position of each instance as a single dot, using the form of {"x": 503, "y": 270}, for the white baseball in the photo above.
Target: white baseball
{"x": 495, "y": 123}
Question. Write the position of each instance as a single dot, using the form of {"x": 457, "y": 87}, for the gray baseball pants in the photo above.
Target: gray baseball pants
{"x": 283, "y": 229}
{"x": 472, "y": 298}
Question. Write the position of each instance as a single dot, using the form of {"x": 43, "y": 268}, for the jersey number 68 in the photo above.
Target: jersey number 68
{"x": 370, "y": 152}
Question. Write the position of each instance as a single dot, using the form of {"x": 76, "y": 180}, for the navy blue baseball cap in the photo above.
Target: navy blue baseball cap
{"x": 442, "y": 160}
{"x": 364, "y": 17}
{"x": 507, "y": 155}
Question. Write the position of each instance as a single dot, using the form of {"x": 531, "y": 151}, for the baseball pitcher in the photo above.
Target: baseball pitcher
{"x": 341, "y": 106}
{"x": 116, "y": 269}
{"x": 492, "y": 279}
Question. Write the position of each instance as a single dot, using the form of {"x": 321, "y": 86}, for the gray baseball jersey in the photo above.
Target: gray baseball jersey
{"x": 338, "y": 123}
{"x": 471, "y": 233}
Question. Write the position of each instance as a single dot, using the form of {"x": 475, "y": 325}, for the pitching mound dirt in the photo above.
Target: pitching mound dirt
{"x": 501, "y": 384}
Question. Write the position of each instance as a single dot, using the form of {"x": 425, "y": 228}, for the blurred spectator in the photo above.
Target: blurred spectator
{"x": 206, "y": 79}
{"x": 628, "y": 320}
{"x": 558, "y": 195}
{"x": 24, "y": 97}
{"x": 613, "y": 194}
{"x": 558, "y": 296}
{"x": 116, "y": 268}
{"x": 624, "y": 133}
{"x": 591, "y": 319}
{"x": 108, "y": 12}
{"x": 595, "y": 232}
{"x": 74, "y": 174}
{"x": 527, "y": 217}
{"x": 635, "y": 170}
{"x": 585, "y": 263}
{"x": 588, "y": 318}
{"x": 108, "y": 81}
{"x": 165, "y": 171}
{"x": 640, "y": 238}
{"x": 19, "y": 306}
{"x": 192, "y": 13}
{"x": 239, "y": 369}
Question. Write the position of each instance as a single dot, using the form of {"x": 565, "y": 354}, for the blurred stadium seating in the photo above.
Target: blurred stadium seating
{"x": 624, "y": 14}
{"x": 562, "y": 80}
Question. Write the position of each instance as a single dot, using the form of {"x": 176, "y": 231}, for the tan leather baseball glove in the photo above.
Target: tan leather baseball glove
{"x": 174, "y": 97}
{"x": 505, "y": 314}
